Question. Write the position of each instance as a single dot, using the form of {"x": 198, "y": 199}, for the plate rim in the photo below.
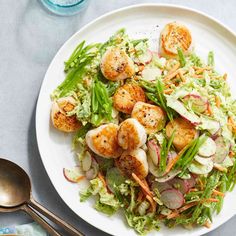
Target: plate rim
{"x": 167, "y": 5}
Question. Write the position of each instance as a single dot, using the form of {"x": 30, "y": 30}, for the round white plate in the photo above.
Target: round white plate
{"x": 140, "y": 21}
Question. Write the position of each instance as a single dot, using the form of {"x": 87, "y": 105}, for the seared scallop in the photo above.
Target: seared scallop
{"x": 131, "y": 134}
{"x": 150, "y": 116}
{"x": 134, "y": 161}
{"x": 60, "y": 119}
{"x": 117, "y": 65}
{"x": 185, "y": 132}
{"x": 103, "y": 141}
{"x": 126, "y": 96}
{"x": 174, "y": 36}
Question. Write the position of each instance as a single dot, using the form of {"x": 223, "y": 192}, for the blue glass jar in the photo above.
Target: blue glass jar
{"x": 65, "y": 7}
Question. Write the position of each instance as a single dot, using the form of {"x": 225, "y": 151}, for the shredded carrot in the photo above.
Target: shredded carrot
{"x": 200, "y": 70}
{"x": 152, "y": 202}
{"x": 142, "y": 185}
{"x": 161, "y": 217}
{"x": 174, "y": 68}
{"x": 220, "y": 168}
{"x": 168, "y": 91}
{"x": 184, "y": 208}
{"x": 207, "y": 224}
{"x": 140, "y": 196}
{"x": 173, "y": 161}
{"x": 197, "y": 76}
{"x": 182, "y": 76}
{"x": 101, "y": 177}
{"x": 225, "y": 76}
{"x": 171, "y": 75}
{"x": 215, "y": 192}
{"x": 218, "y": 102}
{"x": 210, "y": 200}
{"x": 80, "y": 178}
{"x": 141, "y": 68}
{"x": 209, "y": 110}
{"x": 231, "y": 154}
{"x": 201, "y": 184}
{"x": 193, "y": 190}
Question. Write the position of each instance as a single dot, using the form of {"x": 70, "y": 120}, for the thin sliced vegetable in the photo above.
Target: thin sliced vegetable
{"x": 73, "y": 175}
{"x": 172, "y": 198}
{"x": 180, "y": 184}
{"x": 142, "y": 185}
{"x": 208, "y": 148}
{"x": 222, "y": 150}
{"x": 86, "y": 162}
{"x": 154, "y": 152}
{"x": 170, "y": 175}
{"x": 151, "y": 74}
{"x": 199, "y": 169}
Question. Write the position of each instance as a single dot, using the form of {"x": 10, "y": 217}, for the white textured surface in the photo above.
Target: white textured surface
{"x": 29, "y": 38}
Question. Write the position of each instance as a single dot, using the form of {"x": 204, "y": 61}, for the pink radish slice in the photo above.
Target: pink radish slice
{"x": 72, "y": 175}
{"x": 171, "y": 155}
{"x": 145, "y": 58}
{"x": 172, "y": 198}
{"x": 198, "y": 103}
{"x": 154, "y": 152}
{"x": 222, "y": 150}
{"x": 161, "y": 186}
{"x": 93, "y": 171}
{"x": 181, "y": 184}
{"x": 191, "y": 182}
{"x": 168, "y": 176}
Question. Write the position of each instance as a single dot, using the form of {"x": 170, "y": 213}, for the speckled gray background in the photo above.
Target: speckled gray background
{"x": 29, "y": 38}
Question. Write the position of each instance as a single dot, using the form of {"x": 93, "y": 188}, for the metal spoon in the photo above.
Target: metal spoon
{"x": 15, "y": 194}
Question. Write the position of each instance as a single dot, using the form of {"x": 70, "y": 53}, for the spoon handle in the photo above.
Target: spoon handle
{"x": 40, "y": 221}
{"x": 69, "y": 228}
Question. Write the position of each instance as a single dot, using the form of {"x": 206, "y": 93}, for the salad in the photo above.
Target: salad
{"x": 154, "y": 131}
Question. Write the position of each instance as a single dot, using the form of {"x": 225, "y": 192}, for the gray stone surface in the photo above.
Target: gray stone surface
{"x": 29, "y": 38}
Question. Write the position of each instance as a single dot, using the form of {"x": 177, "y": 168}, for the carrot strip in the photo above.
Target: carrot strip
{"x": 220, "y": 168}
{"x": 173, "y": 161}
{"x": 174, "y": 68}
{"x": 101, "y": 177}
{"x": 209, "y": 110}
{"x": 152, "y": 202}
{"x": 197, "y": 76}
{"x": 215, "y": 192}
{"x": 210, "y": 200}
{"x": 80, "y": 178}
{"x": 193, "y": 190}
{"x": 184, "y": 208}
{"x": 231, "y": 154}
{"x": 142, "y": 185}
{"x": 207, "y": 224}
{"x": 181, "y": 76}
{"x": 140, "y": 196}
{"x": 168, "y": 91}
{"x": 225, "y": 76}
{"x": 171, "y": 75}
{"x": 218, "y": 102}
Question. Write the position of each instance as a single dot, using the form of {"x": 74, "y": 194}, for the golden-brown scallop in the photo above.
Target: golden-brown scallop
{"x": 103, "y": 141}
{"x": 173, "y": 36}
{"x": 134, "y": 161}
{"x": 126, "y": 96}
{"x": 117, "y": 65}
{"x": 185, "y": 132}
{"x": 59, "y": 117}
{"x": 150, "y": 116}
{"x": 131, "y": 134}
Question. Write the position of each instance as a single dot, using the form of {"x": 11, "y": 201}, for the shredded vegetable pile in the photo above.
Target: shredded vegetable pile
{"x": 154, "y": 136}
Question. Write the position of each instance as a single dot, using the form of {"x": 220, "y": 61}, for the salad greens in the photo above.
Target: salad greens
{"x": 184, "y": 87}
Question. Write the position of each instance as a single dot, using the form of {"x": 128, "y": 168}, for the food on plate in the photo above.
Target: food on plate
{"x": 134, "y": 161}
{"x": 117, "y": 65}
{"x": 150, "y": 116}
{"x": 59, "y": 115}
{"x": 155, "y": 134}
{"x": 131, "y": 134}
{"x": 126, "y": 96}
{"x": 184, "y": 132}
{"x": 104, "y": 141}
{"x": 174, "y": 36}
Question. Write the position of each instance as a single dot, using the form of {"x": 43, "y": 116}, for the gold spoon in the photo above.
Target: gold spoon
{"x": 15, "y": 194}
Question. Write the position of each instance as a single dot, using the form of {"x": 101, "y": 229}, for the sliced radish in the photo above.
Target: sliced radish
{"x": 208, "y": 124}
{"x": 93, "y": 171}
{"x": 153, "y": 169}
{"x": 222, "y": 150}
{"x": 172, "y": 198}
{"x": 208, "y": 148}
{"x": 168, "y": 176}
{"x": 72, "y": 175}
{"x": 145, "y": 58}
{"x": 200, "y": 169}
{"x": 191, "y": 182}
{"x": 180, "y": 108}
{"x": 86, "y": 161}
{"x": 181, "y": 184}
{"x": 196, "y": 102}
{"x": 154, "y": 152}
{"x": 151, "y": 74}
{"x": 227, "y": 162}
{"x": 202, "y": 160}
{"x": 161, "y": 186}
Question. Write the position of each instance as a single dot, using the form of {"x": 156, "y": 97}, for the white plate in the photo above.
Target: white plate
{"x": 140, "y": 21}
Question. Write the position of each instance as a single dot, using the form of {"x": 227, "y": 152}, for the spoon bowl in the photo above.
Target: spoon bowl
{"x": 15, "y": 187}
